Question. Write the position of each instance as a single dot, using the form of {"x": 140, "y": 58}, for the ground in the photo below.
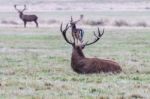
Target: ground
{"x": 35, "y": 63}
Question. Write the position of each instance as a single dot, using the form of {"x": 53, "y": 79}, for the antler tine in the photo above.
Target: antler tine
{"x": 99, "y": 33}
{"x": 15, "y": 6}
{"x": 71, "y": 19}
{"x": 67, "y": 27}
{"x": 96, "y": 39}
{"x": 79, "y": 19}
{"x": 95, "y": 34}
{"x": 64, "y": 34}
{"x": 61, "y": 27}
{"x": 24, "y": 8}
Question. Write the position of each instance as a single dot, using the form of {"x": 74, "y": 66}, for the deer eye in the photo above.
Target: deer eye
{"x": 82, "y": 46}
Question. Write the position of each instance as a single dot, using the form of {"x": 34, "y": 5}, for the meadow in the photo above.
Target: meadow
{"x": 35, "y": 62}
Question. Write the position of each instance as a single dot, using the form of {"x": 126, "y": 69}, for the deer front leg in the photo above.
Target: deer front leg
{"x": 25, "y": 24}
{"x": 36, "y": 24}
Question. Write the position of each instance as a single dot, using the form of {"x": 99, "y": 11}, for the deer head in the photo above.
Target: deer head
{"x": 73, "y": 23}
{"x": 20, "y": 11}
{"x": 81, "y": 45}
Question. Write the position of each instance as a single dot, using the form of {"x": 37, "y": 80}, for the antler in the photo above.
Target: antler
{"x": 96, "y": 39}
{"x": 24, "y": 8}
{"x": 71, "y": 19}
{"x": 81, "y": 17}
{"x": 64, "y": 33}
{"x": 15, "y": 6}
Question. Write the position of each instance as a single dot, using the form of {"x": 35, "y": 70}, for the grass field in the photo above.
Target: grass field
{"x": 35, "y": 64}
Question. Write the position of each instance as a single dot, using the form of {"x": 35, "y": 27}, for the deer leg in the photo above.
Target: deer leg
{"x": 36, "y": 24}
{"x": 25, "y": 24}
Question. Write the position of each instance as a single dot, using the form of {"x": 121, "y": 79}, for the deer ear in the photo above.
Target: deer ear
{"x": 71, "y": 19}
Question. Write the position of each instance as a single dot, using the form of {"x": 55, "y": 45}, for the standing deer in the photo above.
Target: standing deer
{"x": 26, "y": 18}
{"x": 77, "y": 33}
{"x": 81, "y": 64}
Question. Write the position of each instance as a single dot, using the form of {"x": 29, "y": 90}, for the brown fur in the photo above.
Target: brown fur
{"x": 82, "y": 64}
{"x": 26, "y": 18}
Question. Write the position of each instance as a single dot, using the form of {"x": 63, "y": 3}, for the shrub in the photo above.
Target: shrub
{"x": 4, "y": 22}
{"x": 141, "y": 24}
{"x": 8, "y": 22}
{"x": 120, "y": 23}
{"x": 52, "y": 21}
{"x": 93, "y": 23}
{"x": 13, "y": 22}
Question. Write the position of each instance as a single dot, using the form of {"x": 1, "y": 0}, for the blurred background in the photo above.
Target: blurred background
{"x": 128, "y": 13}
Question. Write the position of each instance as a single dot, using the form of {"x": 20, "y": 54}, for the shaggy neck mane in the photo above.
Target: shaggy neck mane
{"x": 77, "y": 56}
{"x": 80, "y": 52}
{"x": 20, "y": 15}
{"x": 77, "y": 53}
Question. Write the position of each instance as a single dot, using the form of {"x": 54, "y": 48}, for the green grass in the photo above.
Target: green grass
{"x": 35, "y": 64}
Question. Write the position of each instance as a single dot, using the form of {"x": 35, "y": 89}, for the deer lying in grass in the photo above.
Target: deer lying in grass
{"x": 81, "y": 64}
{"x": 26, "y": 18}
{"x": 77, "y": 33}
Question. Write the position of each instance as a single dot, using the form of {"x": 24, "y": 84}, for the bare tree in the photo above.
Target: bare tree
{"x": 81, "y": 64}
{"x": 26, "y": 18}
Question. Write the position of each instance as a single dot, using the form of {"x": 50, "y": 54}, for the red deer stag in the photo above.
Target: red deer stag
{"x": 77, "y": 33}
{"x": 81, "y": 64}
{"x": 26, "y": 18}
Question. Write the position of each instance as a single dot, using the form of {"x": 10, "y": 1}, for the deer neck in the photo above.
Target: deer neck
{"x": 73, "y": 27}
{"x": 20, "y": 15}
{"x": 77, "y": 54}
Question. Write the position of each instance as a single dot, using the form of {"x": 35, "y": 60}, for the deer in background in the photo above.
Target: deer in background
{"x": 77, "y": 33}
{"x": 81, "y": 64}
{"x": 26, "y": 18}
